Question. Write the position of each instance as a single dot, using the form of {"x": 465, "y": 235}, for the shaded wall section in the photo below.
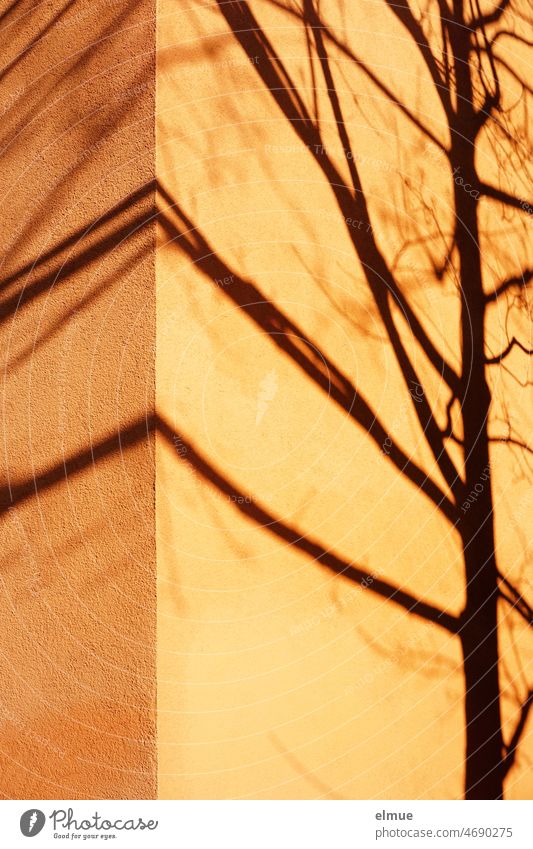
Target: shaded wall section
{"x": 77, "y": 311}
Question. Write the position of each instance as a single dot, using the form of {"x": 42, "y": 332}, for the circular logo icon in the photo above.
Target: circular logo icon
{"x": 32, "y": 822}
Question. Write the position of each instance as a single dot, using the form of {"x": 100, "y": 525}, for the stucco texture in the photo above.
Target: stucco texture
{"x": 247, "y": 488}
{"x": 77, "y": 701}
{"x": 288, "y": 665}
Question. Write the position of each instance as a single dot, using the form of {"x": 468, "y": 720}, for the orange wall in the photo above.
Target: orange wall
{"x": 276, "y": 678}
{"x": 77, "y": 703}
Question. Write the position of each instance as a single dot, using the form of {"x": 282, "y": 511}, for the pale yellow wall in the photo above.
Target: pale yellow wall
{"x": 277, "y": 679}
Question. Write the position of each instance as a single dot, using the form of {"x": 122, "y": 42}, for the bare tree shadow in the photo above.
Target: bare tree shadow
{"x": 459, "y": 60}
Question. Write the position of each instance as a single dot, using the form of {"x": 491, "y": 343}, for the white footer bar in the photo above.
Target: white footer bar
{"x": 268, "y": 824}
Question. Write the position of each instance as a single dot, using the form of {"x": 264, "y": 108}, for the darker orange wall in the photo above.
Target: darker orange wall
{"x": 77, "y": 600}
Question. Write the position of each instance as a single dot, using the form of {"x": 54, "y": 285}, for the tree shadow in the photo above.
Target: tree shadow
{"x": 458, "y": 57}
{"x": 468, "y": 104}
{"x": 78, "y": 268}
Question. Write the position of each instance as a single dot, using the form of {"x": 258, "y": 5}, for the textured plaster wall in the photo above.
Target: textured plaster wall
{"x": 277, "y": 679}
{"x": 77, "y": 591}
